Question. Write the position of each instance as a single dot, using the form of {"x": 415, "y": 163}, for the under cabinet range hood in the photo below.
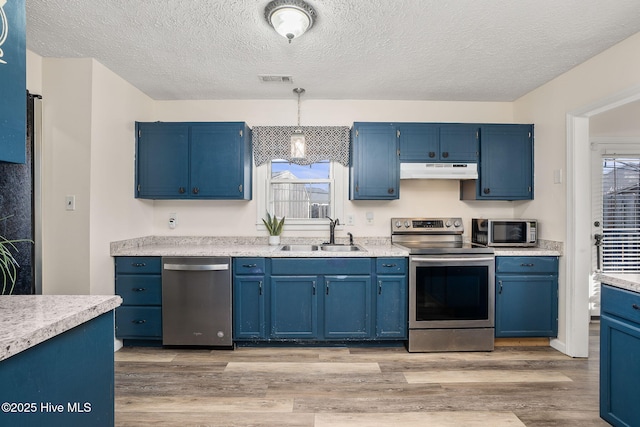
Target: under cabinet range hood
{"x": 438, "y": 171}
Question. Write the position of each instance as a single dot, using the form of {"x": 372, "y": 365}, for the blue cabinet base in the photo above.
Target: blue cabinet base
{"x": 64, "y": 381}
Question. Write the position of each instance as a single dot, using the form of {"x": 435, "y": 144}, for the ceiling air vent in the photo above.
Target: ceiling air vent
{"x": 272, "y": 78}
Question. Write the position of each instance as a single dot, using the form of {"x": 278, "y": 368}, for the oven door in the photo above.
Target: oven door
{"x": 447, "y": 291}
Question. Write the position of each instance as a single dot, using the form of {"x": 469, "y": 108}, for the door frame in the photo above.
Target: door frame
{"x": 578, "y": 220}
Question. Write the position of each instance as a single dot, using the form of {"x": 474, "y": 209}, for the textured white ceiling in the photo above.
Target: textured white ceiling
{"x": 458, "y": 50}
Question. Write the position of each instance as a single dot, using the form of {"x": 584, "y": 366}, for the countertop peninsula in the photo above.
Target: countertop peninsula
{"x": 629, "y": 282}
{"x": 28, "y": 320}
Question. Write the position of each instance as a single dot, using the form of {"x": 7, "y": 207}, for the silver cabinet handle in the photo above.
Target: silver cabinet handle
{"x": 196, "y": 267}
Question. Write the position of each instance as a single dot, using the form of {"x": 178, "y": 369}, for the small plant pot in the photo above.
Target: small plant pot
{"x": 274, "y": 240}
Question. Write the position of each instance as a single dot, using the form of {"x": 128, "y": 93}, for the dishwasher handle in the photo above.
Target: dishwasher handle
{"x": 196, "y": 267}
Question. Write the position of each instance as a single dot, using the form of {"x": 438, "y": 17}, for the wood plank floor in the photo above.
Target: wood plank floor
{"x": 353, "y": 386}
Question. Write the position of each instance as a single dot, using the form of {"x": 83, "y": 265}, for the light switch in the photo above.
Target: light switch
{"x": 70, "y": 203}
{"x": 557, "y": 176}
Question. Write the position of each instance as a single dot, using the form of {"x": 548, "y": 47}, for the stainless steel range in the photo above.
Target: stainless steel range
{"x": 451, "y": 286}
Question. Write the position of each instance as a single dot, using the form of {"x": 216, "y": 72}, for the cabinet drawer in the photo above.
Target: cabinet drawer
{"x": 527, "y": 264}
{"x": 138, "y": 264}
{"x": 295, "y": 266}
{"x": 139, "y": 289}
{"x": 248, "y": 265}
{"x": 391, "y": 265}
{"x": 139, "y": 322}
{"x": 621, "y": 303}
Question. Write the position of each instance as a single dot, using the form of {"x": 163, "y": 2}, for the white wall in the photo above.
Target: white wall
{"x": 88, "y": 151}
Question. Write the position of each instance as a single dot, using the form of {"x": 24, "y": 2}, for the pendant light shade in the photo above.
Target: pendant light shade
{"x": 298, "y": 140}
{"x": 290, "y": 18}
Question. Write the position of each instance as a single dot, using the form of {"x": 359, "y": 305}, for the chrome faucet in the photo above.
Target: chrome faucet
{"x": 332, "y": 230}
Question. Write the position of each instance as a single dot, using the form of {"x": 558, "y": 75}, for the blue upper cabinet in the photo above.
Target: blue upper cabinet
{"x": 506, "y": 164}
{"x": 13, "y": 86}
{"x": 220, "y": 161}
{"x": 438, "y": 142}
{"x": 193, "y": 161}
{"x": 375, "y": 167}
{"x": 162, "y": 160}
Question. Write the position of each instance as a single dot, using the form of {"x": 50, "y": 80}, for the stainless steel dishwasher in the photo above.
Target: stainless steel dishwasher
{"x": 196, "y": 301}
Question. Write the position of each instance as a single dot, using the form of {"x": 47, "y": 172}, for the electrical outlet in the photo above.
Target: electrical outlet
{"x": 369, "y": 217}
{"x": 70, "y": 203}
{"x": 173, "y": 220}
{"x": 351, "y": 220}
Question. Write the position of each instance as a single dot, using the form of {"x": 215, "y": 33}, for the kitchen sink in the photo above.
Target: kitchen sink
{"x": 299, "y": 248}
{"x": 341, "y": 248}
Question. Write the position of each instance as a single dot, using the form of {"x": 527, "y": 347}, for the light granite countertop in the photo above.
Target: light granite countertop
{"x": 245, "y": 247}
{"x": 28, "y": 320}
{"x": 257, "y": 247}
{"x": 629, "y": 282}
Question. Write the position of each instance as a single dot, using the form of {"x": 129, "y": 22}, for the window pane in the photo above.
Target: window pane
{"x": 281, "y": 169}
{"x": 301, "y": 200}
{"x": 621, "y": 215}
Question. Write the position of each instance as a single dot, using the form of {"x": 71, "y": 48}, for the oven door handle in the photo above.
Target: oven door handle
{"x": 456, "y": 259}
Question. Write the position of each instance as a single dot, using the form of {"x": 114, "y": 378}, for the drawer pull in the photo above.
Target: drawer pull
{"x": 138, "y": 289}
{"x": 636, "y": 307}
{"x": 249, "y": 265}
{"x": 138, "y": 322}
{"x": 389, "y": 265}
{"x": 138, "y": 264}
{"x": 527, "y": 265}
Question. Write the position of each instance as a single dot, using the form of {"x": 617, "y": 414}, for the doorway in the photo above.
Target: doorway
{"x": 579, "y": 219}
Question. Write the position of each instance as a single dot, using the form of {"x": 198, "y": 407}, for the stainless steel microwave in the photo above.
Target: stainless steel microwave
{"x": 504, "y": 232}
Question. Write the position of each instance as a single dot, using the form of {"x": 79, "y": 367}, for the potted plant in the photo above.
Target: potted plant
{"x": 8, "y": 264}
{"x": 274, "y": 227}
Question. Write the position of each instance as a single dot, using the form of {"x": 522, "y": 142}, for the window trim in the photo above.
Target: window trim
{"x": 338, "y": 188}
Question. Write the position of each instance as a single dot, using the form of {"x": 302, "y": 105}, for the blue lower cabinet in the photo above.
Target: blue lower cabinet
{"x": 526, "y": 297}
{"x": 249, "y": 320}
{"x": 347, "y": 307}
{"x": 391, "y": 307}
{"x": 139, "y": 283}
{"x": 619, "y": 356}
{"x": 67, "y": 380}
{"x": 294, "y": 307}
{"x": 320, "y": 299}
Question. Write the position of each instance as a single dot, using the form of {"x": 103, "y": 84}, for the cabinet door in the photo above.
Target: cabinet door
{"x": 619, "y": 371}
{"x": 459, "y": 142}
{"x": 391, "y": 307}
{"x": 217, "y": 166}
{"x": 294, "y": 306}
{"x": 506, "y": 162}
{"x": 419, "y": 142}
{"x": 375, "y": 167}
{"x": 347, "y": 307}
{"x": 249, "y": 307}
{"x": 526, "y": 305}
{"x": 162, "y": 161}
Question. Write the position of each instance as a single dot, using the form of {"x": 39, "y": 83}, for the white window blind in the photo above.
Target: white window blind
{"x": 621, "y": 215}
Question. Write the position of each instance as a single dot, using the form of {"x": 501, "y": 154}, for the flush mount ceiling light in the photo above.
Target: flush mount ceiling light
{"x": 290, "y": 18}
{"x": 298, "y": 140}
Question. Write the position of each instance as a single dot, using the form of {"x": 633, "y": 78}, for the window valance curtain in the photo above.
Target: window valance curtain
{"x": 323, "y": 143}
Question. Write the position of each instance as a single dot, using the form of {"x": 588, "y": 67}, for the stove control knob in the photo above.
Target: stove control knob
{"x": 457, "y": 223}
{"x": 398, "y": 224}
{"x": 447, "y": 224}
{"x": 407, "y": 224}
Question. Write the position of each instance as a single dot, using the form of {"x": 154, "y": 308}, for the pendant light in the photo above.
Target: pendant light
{"x": 298, "y": 140}
{"x": 290, "y": 18}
